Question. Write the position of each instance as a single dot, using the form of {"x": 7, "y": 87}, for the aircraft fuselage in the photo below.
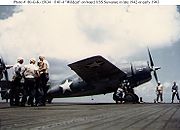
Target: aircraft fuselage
{"x": 136, "y": 74}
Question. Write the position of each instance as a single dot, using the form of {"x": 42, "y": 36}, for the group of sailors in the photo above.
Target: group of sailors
{"x": 34, "y": 89}
{"x": 159, "y": 92}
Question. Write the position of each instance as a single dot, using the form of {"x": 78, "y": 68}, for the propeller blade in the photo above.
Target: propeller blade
{"x": 156, "y": 77}
{"x": 154, "y": 69}
{"x": 150, "y": 57}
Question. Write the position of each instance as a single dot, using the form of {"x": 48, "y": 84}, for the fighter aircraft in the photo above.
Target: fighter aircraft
{"x": 96, "y": 75}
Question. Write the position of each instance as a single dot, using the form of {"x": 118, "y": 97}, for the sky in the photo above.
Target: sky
{"x": 65, "y": 34}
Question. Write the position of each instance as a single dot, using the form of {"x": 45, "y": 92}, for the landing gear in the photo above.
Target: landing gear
{"x": 127, "y": 98}
{"x": 125, "y": 94}
{"x": 131, "y": 98}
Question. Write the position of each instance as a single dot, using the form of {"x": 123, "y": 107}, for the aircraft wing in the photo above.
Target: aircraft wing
{"x": 95, "y": 68}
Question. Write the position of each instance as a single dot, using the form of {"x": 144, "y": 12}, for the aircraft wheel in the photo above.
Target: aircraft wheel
{"x": 129, "y": 98}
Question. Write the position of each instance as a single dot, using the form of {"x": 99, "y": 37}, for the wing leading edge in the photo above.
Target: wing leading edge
{"x": 95, "y": 68}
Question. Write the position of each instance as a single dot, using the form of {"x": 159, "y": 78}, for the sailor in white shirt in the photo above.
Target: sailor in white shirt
{"x": 30, "y": 73}
{"x": 159, "y": 91}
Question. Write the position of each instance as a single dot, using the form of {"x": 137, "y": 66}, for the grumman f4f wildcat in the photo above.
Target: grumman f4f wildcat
{"x": 96, "y": 75}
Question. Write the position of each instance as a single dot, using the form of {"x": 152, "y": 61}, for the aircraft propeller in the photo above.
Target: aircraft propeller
{"x": 154, "y": 69}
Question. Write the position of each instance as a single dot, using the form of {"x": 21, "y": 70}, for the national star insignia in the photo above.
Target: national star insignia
{"x": 66, "y": 86}
{"x": 95, "y": 64}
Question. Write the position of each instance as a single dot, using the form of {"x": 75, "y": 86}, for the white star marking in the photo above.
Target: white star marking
{"x": 66, "y": 86}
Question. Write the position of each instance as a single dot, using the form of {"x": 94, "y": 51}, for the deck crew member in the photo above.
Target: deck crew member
{"x": 44, "y": 76}
{"x": 175, "y": 92}
{"x": 16, "y": 80}
{"x": 30, "y": 73}
{"x": 159, "y": 91}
